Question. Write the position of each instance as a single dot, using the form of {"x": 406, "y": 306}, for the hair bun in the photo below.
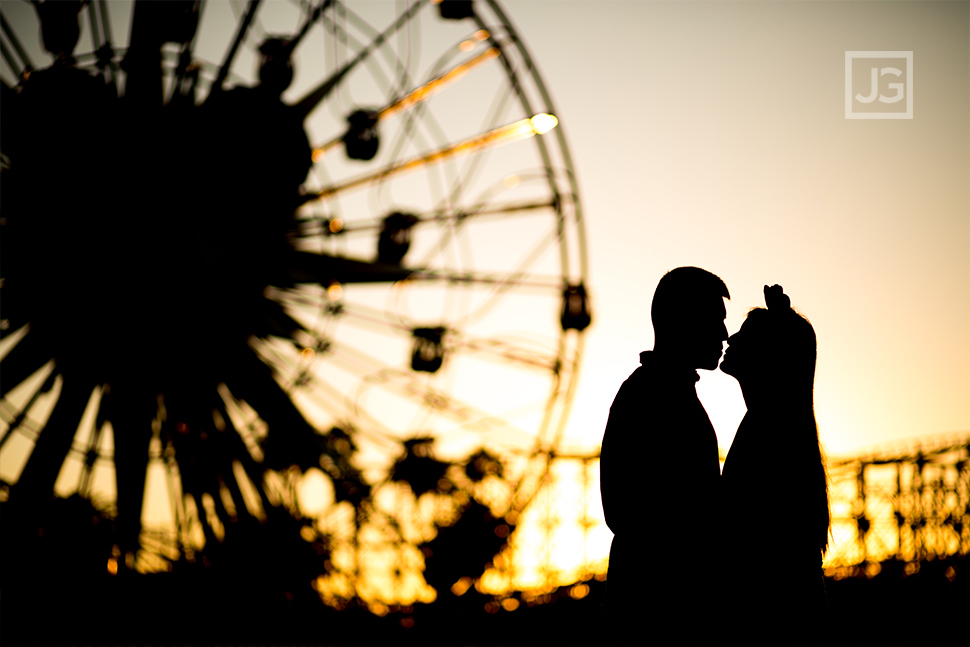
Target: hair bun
{"x": 776, "y": 299}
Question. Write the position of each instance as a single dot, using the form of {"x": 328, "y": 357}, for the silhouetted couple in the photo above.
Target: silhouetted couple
{"x": 701, "y": 557}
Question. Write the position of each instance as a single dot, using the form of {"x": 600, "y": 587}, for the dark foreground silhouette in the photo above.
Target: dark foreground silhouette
{"x": 140, "y": 232}
{"x": 659, "y": 473}
{"x": 774, "y": 489}
{"x": 57, "y": 591}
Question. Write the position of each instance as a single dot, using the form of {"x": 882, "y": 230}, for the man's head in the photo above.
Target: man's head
{"x": 688, "y": 316}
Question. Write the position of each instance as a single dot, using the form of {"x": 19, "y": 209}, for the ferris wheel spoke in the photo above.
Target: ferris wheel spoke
{"x": 227, "y": 446}
{"x": 354, "y": 360}
{"x": 27, "y": 65}
{"x": 95, "y": 27}
{"x": 371, "y": 371}
{"x": 524, "y": 128}
{"x": 465, "y": 415}
{"x": 437, "y": 84}
{"x": 312, "y": 16}
{"x": 22, "y": 361}
{"x": 286, "y": 368}
{"x": 17, "y": 420}
{"x": 182, "y": 72}
{"x": 544, "y": 451}
{"x": 103, "y": 51}
{"x": 500, "y": 288}
{"x": 291, "y": 437}
{"x": 373, "y": 319}
{"x": 523, "y": 97}
{"x": 511, "y": 353}
{"x": 12, "y": 64}
{"x": 519, "y": 279}
{"x": 499, "y": 108}
{"x": 351, "y": 43}
{"x": 324, "y": 269}
{"x": 298, "y": 299}
{"x": 130, "y": 410}
{"x": 356, "y": 314}
{"x": 561, "y": 404}
{"x": 300, "y": 375}
{"x": 106, "y": 28}
{"x": 274, "y": 320}
{"x": 228, "y": 478}
{"x": 308, "y": 103}
{"x": 14, "y": 303}
{"x": 500, "y": 284}
{"x": 252, "y": 469}
{"x": 317, "y": 388}
{"x": 416, "y": 96}
{"x": 197, "y": 481}
{"x": 376, "y": 371}
{"x": 475, "y": 213}
{"x": 399, "y": 60}
{"x": 54, "y": 442}
{"x": 92, "y": 452}
{"x": 241, "y": 32}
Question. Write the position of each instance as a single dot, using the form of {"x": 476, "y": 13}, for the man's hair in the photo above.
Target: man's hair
{"x": 680, "y": 292}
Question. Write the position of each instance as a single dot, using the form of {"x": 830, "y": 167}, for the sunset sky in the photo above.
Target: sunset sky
{"x": 713, "y": 134}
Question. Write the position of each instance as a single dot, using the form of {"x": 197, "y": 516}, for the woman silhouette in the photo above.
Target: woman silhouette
{"x": 774, "y": 483}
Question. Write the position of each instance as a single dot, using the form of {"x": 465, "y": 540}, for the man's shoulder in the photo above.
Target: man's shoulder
{"x": 639, "y": 386}
{"x": 654, "y": 384}
{"x": 647, "y": 373}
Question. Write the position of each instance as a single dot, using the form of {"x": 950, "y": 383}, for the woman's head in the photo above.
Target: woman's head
{"x": 775, "y": 349}
{"x": 773, "y": 359}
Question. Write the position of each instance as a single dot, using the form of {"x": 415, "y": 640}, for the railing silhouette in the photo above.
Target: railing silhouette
{"x": 905, "y": 500}
{"x": 908, "y": 501}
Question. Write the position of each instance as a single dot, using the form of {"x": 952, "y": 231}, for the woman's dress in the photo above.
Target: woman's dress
{"x": 773, "y": 584}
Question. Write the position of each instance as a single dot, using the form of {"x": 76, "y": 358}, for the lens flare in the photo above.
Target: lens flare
{"x": 543, "y": 123}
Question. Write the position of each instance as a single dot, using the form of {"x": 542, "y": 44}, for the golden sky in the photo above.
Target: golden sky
{"x": 713, "y": 134}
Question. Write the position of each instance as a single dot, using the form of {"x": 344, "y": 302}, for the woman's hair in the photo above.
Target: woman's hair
{"x": 790, "y": 347}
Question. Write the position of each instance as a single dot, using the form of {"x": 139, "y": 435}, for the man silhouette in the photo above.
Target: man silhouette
{"x": 659, "y": 472}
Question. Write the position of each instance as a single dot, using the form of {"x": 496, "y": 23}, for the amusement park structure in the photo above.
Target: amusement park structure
{"x": 907, "y": 501}
{"x": 902, "y": 501}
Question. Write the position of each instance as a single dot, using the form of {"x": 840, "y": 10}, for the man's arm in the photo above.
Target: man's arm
{"x": 618, "y": 462}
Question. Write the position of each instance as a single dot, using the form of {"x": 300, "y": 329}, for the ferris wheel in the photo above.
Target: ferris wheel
{"x": 282, "y": 238}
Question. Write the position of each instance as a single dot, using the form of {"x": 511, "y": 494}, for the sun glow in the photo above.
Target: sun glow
{"x": 315, "y": 492}
{"x": 543, "y": 123}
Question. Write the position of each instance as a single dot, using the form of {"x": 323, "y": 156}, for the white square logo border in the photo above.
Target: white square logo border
{"x": 849, "y": 56}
